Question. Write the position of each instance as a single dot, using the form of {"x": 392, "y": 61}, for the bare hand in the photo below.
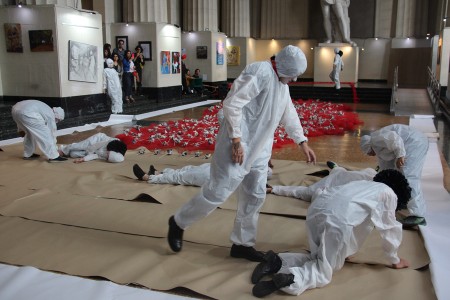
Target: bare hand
{"x": 403, "y": 263}
{"x": 309, "y": 153}
{"x": 237, "y": 153}
{"x": 78, "y": 160}
{"x": 400, "y": 162}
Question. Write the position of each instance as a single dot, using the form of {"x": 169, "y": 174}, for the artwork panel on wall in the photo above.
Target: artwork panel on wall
{"x": 41, "y": 40}
{"x": 165, "y": 62}
{"x": 146, "y": 49}
{"x": 176, "y": 62}
{"x": 13, "y": 37}
{"x": 82, "y": 62}
{"x": 202, "y": 52}
{"x": 219, "y": 51}
{"x": 123, "y": 39}
{"x": 233, "y": 55}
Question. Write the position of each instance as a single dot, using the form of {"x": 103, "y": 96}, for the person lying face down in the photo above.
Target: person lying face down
{"x": 338, "y": 222}
{"x": 99, "y": 146}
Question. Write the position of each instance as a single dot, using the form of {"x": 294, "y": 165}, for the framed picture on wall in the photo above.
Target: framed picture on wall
{"x": 41, "y": 40}
{"x": 146, "y": 49}
{"x": 176, "y": 62}
{"x": 219, "y": 51}
{"x": 13, "y": 37}
{"x": 165, "y": 62}
{"x": 123, "y": 40}
{"x": 82, "y": 62}
{"x": 202, "y": 52}
{"x": 233, "y": 55}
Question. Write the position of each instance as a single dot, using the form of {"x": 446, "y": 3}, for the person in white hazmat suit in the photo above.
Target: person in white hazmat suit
{"x": 403, "y": 148}
{"x": 36, "y": 122}
{"x": 187, "y": 175}
{"x": 111, "y": 85}
{"x": 338, "y": 66}
{"x": 338, "y": 176}
{"x": 338, "y": 222}
{"x": 99, "y": 146}
{"x": 257, "y": 103}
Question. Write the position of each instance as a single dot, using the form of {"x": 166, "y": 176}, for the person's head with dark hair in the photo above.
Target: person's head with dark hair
{"x": 272, "y": 58}
{"x": 398, "y": 183}
{"x": 340, "y": 53}
{"x": 138, "y": 47}
{"x": 117, "y": 146}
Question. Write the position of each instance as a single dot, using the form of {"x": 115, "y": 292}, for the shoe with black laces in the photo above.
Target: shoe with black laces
{"x": 270, "y": 265}
{"x": 175, "y": 235}
{"x": 249, "y": 253}
{"x": 58, "y": 159}
{"x": 33, "y": 156}
{"x": 412, "y": 221}
{"x": 331, "y": 164}
{"x": 264, "y": 288}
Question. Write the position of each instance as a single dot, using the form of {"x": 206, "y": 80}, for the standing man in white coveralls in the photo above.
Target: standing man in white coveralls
{"x": 338, "y": 66}
{"x": 403, "y": 148}
{"x": 338, "y": 222}
{"x": 257, "y": 103}
{"x": 36, "y": 122}
{"x": 111, "y": 84}
{"x": 99, "y": 146}
{"x": 338, "y": 176}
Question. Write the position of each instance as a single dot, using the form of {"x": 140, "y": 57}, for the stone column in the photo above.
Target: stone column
{"x": 200, "y": 15}
{"x": 236, "y": 18}
{"x": 145, "y": 11}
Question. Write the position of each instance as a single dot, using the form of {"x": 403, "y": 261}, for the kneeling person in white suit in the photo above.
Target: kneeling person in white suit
{"x": 338, "y": 222}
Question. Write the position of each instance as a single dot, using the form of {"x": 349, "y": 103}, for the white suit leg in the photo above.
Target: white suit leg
{"x": 414, "y": 161}
{"x": 38, "y": 133}
{"x": 251, "y": 196}
{"x": 188, "y": 175}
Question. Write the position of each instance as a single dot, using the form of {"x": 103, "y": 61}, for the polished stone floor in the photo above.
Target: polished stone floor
{"x": 342, "y": 149}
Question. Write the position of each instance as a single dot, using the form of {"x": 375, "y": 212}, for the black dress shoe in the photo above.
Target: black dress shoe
{"x": 58, "y": 159}
{"x": 175, "y": 235}
{"x": 331, "y": 164}
{"x": 270, "y": 265}
{"x": 264, "y": 288}
{"x": 152, "y": 170}
{"x": 249, "y": 253}
{"x": 33, "y": 156}
{"x": 138, "y": 172}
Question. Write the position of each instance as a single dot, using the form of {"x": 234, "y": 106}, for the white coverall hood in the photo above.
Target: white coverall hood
{"x": 110, "y": 63}
{"x": 115, "y": 157}
{"x": 336, "y": 50}
{"x": 291, "y": 62}
{"x": 59, "y": 113}
{"x": 366, "y": 145}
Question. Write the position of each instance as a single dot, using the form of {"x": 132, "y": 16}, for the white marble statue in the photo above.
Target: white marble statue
{"x": 340, "y": 11}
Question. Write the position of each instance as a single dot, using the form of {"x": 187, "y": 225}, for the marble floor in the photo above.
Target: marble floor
{"x": 343, "y": 148}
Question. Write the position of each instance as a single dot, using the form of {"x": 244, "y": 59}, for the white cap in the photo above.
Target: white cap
{"x": 110, "y": 63}
{"x": 115, "y": 157}
{"x": 365, "y": 144}
{"x": 291, "y": 62}
{"x": 59, "y": 113}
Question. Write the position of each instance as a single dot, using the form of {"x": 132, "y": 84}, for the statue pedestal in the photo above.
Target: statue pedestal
{"x": 323, "y": 62}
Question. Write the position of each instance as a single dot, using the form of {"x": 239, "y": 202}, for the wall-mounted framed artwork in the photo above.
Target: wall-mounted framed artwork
{"x": 13, "y": 37}
{"x": 165, "y": 62}
{"x": 202, "y": 52}
{"x": 219, "y": 51}
{"x": 122, "y": 40}
{"x": 146, "y": 49}
{"x": 41, "y": 40}
{"x": 233, "y": 56}
{"x": 176, "y": 62}
{"x": 82, "y": 62}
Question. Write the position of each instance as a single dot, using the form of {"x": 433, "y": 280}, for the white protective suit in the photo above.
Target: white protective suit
{"x": 187, "y": 175}
{"x": 397, "y": 140}
{"x": 338, "y": 66}
{"x": 338, "y": 176}
{"x": 256, "y": 104}
{"x": 111, "y": 83}
{"x": 92, "y": 148}
{"x": 338, "y": 222}
{"x": 38, "y": 121}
